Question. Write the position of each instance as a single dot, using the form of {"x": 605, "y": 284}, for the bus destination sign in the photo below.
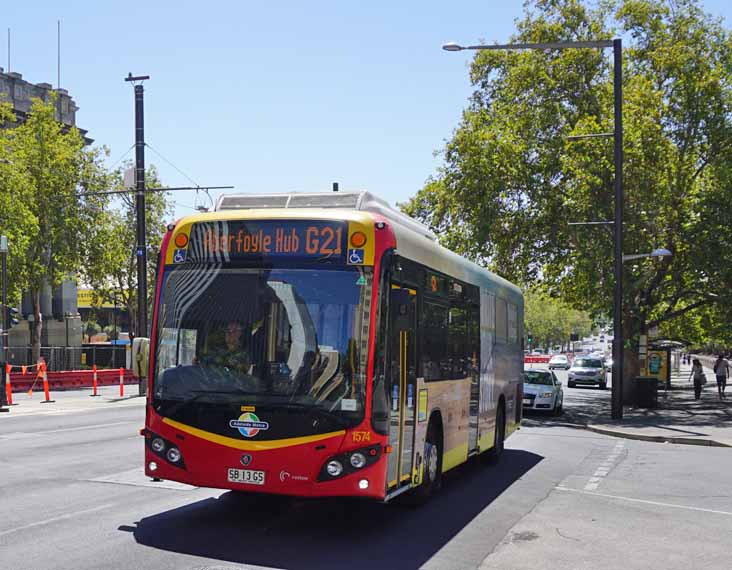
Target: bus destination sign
{"x": 236, "y": 240}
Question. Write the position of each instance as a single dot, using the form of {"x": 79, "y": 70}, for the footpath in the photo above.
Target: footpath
{"x": 679, "y": 418}
{"x": 69, "y": 401}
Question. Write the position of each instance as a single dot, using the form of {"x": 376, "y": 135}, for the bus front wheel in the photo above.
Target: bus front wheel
{"x": 432, "y": 469}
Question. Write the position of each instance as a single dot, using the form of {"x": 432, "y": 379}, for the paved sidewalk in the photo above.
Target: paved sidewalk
{"x": 679, "y": 418}
{"x": 69, "y": 401}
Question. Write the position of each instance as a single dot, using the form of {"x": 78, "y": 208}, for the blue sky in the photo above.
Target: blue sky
{"x": 268, "y": 96}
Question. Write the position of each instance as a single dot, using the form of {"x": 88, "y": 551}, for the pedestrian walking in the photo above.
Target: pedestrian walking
{"x": 697, "y": 373}
{"x": 721, "y": 370}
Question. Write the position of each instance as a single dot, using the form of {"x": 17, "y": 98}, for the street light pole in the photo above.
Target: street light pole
{"x": 616, "y": 409}
{"x": 616, "y": 44}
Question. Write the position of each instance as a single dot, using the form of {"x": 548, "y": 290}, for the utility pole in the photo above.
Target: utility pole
{"x": 140, "y": 207}
{"x": 140, "y": 204}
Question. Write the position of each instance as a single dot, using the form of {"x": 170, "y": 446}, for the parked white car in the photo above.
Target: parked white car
{"x": 542, "y": 391}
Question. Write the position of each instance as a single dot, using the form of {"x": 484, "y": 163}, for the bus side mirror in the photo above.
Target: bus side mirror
{"x": 140, "y": 357}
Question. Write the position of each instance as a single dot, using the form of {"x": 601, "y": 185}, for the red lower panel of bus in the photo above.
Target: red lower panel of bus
{"x": 295, "y": 470}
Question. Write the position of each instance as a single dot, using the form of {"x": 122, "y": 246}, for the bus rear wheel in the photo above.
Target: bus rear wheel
{"x": 494, "y": 454}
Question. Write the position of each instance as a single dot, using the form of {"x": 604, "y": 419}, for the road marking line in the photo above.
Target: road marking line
{"x": 604, "y": 468}
{"x": 56, "y": 519}
{"x": 644, "y": 501}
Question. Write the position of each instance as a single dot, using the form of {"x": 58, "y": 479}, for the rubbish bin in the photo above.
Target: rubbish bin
{"x": 646, "y": 391}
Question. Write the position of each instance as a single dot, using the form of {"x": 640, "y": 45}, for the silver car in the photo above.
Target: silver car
{"x": 587, "y": 371}
{"x": 542, "y": 391}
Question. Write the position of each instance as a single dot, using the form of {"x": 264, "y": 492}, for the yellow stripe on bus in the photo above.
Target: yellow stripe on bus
{"x": 455, "y": 457}
{"x": 249, "y": 445}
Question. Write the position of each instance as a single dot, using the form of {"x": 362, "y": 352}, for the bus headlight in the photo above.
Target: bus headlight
{"x": 334, "y": 468}
{"x": 173, "y": 455}
{"x": 358, "y": 460}
{"x": 158, "y": 445}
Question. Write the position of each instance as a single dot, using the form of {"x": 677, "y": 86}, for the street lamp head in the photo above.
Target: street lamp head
{"x": 660, "y": 252}
{"x": 452, "y": 46}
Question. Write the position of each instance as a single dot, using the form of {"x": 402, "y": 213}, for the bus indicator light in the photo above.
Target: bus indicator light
{"x": 181, "y": 240}
{"x": 358, "y": 239}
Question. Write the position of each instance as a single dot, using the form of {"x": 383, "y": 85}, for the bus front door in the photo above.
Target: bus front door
{"x": 403, "y": 377}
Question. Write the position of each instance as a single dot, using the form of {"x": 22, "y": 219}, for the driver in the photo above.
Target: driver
{"x": 231, "y": 355}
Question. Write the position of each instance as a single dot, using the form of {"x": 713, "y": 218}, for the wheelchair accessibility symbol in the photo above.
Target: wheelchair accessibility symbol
{"x": 355, "y": 256}
{"x": 179, "y": 256}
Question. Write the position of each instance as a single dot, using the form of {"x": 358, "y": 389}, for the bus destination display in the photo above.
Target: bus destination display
{"x": 241, "y": 240}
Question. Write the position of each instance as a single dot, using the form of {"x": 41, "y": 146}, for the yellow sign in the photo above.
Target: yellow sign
{"x": 86, "y": 299}
{"x": 656, "y": 364}
{"x": 422, "y": 406}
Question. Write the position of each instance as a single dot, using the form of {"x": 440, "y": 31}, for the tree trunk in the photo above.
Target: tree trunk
{"x": 37, "y": 325}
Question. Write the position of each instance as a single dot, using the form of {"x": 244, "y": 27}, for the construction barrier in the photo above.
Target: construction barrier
{"x": 46, "y": 391}
{"x": 537, "y": 359}
{"x": 8, "y": 387}
{"x": 68, "y": 379}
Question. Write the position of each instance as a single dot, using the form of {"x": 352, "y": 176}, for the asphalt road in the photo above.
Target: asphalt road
{"x": 73, "y": 497}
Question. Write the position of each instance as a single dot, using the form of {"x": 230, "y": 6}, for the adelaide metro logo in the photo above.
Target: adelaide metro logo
{"x": 249, "y": 424}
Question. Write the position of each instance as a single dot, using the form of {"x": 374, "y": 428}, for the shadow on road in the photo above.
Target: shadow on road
{"x": 331, "y": 534}
{"x": 581, "y": 406}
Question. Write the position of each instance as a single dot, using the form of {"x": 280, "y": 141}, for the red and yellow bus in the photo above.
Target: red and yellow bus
{"x": 325, "y": 345}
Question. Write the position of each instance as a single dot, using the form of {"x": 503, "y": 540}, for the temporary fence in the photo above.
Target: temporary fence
{"x": 22, "y": 378}
{"x": 84, "y": 357}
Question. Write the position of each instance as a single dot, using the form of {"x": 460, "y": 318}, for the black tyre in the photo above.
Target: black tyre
{"x": 432, "y": 471}
{"x": 603, "y": 386}
{"x": 496, "y": 452}
{"x": 570, "y": 384}
{"x": 558, "y": 409}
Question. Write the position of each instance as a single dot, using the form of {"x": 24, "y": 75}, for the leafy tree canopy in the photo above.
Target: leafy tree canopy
{"x": 512, "y": 179}
{"x": 50, "y": 202}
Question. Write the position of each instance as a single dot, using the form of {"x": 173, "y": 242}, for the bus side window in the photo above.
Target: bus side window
{"x": 434, "y": 327}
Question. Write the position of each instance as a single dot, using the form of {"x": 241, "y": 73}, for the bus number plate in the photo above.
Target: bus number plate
{"x": 247, "y": 476}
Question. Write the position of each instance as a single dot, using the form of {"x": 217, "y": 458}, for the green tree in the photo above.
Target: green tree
{"x": 52, "y": 200}
{"x": 111, "y": 267}
{"x": 17, "y": 222}
{"x": 551, "y": 321}
{"x": 512, "y": 180}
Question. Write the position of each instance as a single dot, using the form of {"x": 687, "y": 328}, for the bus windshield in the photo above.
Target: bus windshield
{"x": 285, "y": 338}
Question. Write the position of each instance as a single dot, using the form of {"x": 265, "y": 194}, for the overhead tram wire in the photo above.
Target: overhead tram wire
{"x": 197, "y": 206}
{"x": 171, "y": 189}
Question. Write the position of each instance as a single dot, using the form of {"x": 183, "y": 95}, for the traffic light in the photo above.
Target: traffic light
{"x": 528, "y": 338}
{"x": 11, "y": 314}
